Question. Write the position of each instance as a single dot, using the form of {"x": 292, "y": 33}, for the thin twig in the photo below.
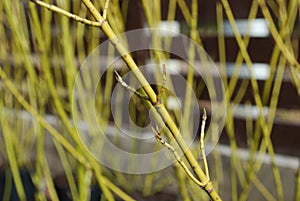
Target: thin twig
{"x": 105, "y": 9}
{"x": 159, "y": 138}
{"x": 204, "y": 117}
{"x": 66, "y": 13}
{"x": 161, "y": 110}
{"x": 129, "y": 88}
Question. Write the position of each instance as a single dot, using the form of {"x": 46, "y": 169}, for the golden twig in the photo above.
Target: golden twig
{"x": 159, "y": 138}
{"x": 151, "y": 96}
{"x": 129, "y": 88}
{"x": 66, "y": 13}
{"x": 105, "y": 9}
{"x": 204, "y": 117}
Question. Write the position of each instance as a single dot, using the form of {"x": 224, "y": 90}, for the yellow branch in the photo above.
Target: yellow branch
{"x": 284, "y": 49}
{"x": 153, "y": 98}
{"x": 162, "y": 111}
{"x": 66, "y": 13}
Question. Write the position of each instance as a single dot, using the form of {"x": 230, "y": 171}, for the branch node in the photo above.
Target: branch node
{"x": 67, "y": 13}
{"x": 177, "y": 157}
{"x": 129, "y": 88}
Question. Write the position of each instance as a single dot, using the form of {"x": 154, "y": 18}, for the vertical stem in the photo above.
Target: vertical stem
{"x": 190, "y": 70}
{"x": 257, "y": 98}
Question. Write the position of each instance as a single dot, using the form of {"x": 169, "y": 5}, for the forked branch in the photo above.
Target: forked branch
{"x": 67, "y": 14}
{"x": 159, "y": 138}
{"x": 129, "y": 88}
{"x": 151, "y": 95}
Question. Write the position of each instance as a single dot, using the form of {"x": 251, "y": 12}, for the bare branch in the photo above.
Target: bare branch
{"x": 66, "y": 13}
{"x": 105, "y": 9}
{"x": 177, "y": 157}
{"x": 129, "y": 88}
{"x": 204, "y": 117}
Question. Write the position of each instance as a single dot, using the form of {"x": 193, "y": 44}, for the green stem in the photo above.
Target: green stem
{"x": 150, "y": 92}
{"x": 257, "y": 98}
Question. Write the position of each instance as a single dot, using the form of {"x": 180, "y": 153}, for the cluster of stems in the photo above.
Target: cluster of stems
{"x": 198, "y": 175}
